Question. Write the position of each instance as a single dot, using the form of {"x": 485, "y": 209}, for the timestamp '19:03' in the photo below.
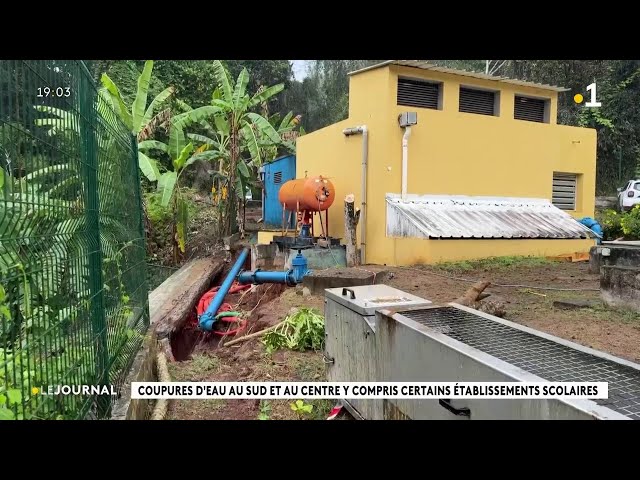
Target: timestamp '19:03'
{"x": 54, "y": 92}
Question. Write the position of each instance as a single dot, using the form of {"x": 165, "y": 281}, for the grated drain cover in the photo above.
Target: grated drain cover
{"x": 539, "y": 356}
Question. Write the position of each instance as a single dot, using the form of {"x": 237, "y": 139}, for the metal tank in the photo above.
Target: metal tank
{"x": 307, "y": 194}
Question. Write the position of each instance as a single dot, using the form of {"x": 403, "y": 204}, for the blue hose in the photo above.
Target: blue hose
{"x": 208, "y": 318}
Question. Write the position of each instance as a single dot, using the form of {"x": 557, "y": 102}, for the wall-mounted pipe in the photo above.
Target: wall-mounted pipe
{"x": 363, "y": 209}
{"x": 405, "y": 160}
{"x": 208, "y": 318}
{"x": 261, "y": 172}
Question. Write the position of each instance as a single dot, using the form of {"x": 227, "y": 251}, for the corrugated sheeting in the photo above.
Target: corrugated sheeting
{"x": 451, "y": 216}
{"x": 483, "y": 76}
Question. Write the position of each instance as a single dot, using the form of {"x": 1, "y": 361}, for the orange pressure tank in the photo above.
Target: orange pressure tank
{"x": 312, "y": 193}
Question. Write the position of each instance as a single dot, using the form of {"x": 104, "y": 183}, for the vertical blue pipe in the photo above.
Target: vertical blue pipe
{"x": 207, "y": 319}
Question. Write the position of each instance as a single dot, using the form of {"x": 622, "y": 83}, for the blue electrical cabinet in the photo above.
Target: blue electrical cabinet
{"x": 276, "y": 173}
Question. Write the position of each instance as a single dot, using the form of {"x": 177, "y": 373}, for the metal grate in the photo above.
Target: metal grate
{"x": 417, "y": 93}
{"x": 277, "y": 177}
{"x": 529, "y": 109}
{"x": 539, "y": 356}
{"x": 480, "y": 102}
{"x": 563, "y": 194}
{"x": 73, "y": 286}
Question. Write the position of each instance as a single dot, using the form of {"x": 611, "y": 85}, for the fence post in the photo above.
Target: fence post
{"x": 88, "y": 124}
{"x": 142, "y": 236}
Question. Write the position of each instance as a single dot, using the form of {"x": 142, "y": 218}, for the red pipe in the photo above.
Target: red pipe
{"x": 208, "y": 297}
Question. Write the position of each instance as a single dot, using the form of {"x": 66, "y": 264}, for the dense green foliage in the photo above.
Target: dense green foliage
{"x": 321, "y": 98}
{"x": 71, "y": 288}
{"x": 621, "y": 225}
{"x": 630, "y": 223}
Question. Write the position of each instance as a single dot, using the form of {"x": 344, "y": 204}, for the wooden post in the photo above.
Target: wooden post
{"x": 351, "y": 218}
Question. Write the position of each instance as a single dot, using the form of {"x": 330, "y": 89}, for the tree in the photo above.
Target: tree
{"x": 238, "y": 130}
{"x": 143, "y": 121}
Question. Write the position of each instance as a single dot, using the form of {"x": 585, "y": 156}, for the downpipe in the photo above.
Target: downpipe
{"x": 363, "y": 208}
{"x": 405, "y": 160}
{"x": 291, "y": 277}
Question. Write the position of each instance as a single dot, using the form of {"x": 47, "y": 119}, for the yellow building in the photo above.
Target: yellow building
{"x": 451, "y": 165}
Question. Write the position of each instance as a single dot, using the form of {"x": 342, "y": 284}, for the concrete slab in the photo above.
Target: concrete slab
{"x": 318, "y": 280}
{"x": 180, "y": 292}
{"x": 266, "y": 236}
{"x": 622, "y": 243}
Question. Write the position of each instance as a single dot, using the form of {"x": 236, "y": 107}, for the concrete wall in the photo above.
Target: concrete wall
{"x": 142, "y": 370}
{"x": 620, "y": 286}
{"x": 449, "y": 153}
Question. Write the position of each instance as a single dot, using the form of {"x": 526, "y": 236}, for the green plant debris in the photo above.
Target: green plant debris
{"x": 301, "y": 408}
{"x": 265, "y": 410}
{"x": 304, "y": 330}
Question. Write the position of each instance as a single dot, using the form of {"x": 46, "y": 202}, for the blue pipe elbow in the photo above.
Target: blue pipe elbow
{"x": 208, "y": 318}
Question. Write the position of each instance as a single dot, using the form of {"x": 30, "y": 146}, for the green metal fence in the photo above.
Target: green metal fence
{"x": 73, "y": 287}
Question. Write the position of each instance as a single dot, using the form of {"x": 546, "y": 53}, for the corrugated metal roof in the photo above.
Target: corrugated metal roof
{"x": 483, "y": 76}
{"x": 457, "y": 216}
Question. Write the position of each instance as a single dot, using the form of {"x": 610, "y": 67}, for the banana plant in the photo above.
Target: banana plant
{"x": 182, "y": 155}
{"x": 141, "y": 119}
{"x": 239, "y": 130}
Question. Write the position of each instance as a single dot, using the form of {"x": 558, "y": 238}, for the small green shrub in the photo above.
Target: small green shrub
{"x": 630, "y": 223}
{"x": 160, "y": 216}
{"x": 157, "y": 213}
{"x": 611, "y": 224}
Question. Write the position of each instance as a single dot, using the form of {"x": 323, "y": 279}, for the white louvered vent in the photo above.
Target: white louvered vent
{"x": 418, "y": 93}
{"x": 564, "y": 190}
{"x": 529, "y": 109}
{"x": 480, "y": 102}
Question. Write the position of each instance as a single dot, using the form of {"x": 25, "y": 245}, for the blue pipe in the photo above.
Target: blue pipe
{"x": 207, "y": 319}
{"x": 257, "y": 277}
{"x": 290, "y": 277}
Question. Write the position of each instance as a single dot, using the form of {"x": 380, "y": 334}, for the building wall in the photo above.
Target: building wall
{"x": 329, "y": 152}
{"x": 415, "y": 251}
{"x": 449, "y": 153}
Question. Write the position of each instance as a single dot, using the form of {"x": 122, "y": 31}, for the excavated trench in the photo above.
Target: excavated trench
{"x": 189, "y": 338}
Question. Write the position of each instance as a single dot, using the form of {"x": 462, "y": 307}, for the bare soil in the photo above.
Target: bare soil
{"x": 615, "y": 331}
{"x": 248, "y": 361}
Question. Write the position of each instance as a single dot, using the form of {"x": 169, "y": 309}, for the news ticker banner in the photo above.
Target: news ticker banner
{"x": 368, "y": 390}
